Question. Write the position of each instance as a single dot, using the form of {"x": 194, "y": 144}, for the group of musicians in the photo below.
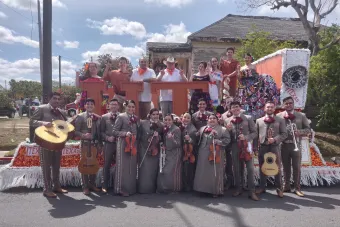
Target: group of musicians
{"x": 161, "y": 152}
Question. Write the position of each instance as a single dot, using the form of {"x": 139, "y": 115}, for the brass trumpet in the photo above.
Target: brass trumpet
{"x": 293, "y": 128}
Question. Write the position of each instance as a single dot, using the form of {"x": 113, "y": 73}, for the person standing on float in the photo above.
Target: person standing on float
{"x": 146, "y": 75}
{"x": 291, "y": 155}
{"x": 170, "y": 74}
{"x": 229, "y": 67}
{"x": 116, "y": 77}
{"x": 126, "y": 131}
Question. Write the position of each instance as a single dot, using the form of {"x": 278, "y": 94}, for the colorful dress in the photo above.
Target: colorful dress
{"x": 215, "y": 79}
{"x": 255, "y": 90}
{"x": 199, "y": 94}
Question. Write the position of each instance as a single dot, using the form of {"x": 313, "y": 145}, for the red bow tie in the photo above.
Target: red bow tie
{"x": 237, "y": 120}
{"x": 269, "y": 120}
{"x": 289, "y": 116}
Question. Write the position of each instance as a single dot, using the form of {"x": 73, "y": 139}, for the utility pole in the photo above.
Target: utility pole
{"x": 40, "y": 44}
{"x": 47, "y": 50}
{"x": 91, "y": 59}
{"x": 6, "y": 85}
{"x": 59, "y": 58}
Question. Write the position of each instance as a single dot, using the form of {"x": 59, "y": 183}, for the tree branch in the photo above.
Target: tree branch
{"x": 333, "y": 42}
{"x": 280, "y": 4}
{"x": 335, "y": 3}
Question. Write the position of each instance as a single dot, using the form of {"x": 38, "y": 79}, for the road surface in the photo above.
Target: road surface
{"x": 23, "y": 207}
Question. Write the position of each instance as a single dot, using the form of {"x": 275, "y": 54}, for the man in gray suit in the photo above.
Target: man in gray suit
{"x": 290, "y": 156}
{"x": 106, "y": 130}
{"x": 241, "y": 128}
{"x": 88, "y": 135}
{"x": 271, "y": 132}
{"x": 200, "y": 118}
{"x": 43, "y": 116}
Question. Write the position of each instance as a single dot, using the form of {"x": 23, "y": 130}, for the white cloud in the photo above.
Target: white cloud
{"x": 171, "y": 3}
{"x": 29, "y": 69}
{"x": 173, "y": 33}
{"x": 116, "y": 50}
{"x": 3, "y": 15}
{"x": 68, "y": 44}
{"x": 222, "y": 1}
{"x": 7, "y": 36}
{"x": 28, "y": 5}
{"x": 118, "y": 26}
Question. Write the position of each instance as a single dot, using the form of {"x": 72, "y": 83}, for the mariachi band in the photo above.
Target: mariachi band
{"x": 200, "y": 151}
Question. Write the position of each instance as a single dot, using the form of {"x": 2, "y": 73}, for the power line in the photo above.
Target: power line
{"x": 11, "y": 8}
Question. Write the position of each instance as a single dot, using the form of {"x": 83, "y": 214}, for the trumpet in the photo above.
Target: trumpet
{"x": 293, "y": 128}
{"x": 162, "y": 158}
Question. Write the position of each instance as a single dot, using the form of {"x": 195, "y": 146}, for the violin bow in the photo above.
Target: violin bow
{"x": 214, "y": 154}
{"x": 146, "y": 151}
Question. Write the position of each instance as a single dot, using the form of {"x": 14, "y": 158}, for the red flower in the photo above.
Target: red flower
{"x": 289, "y": 116}
{"x": 133, "y": 120}
{"x": 113, "y": 117}
{"x": 202, "y": 117}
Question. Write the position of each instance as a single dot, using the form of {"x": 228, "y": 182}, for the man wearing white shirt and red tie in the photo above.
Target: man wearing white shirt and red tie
{"x": 170, "y": 74}
{"x": 145, "y": 74}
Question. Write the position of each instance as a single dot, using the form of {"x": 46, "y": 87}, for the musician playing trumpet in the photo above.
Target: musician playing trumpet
{"x": 271, "y": 131}
{"x": 43, "y": 116}
{"x": 243, "y": 132}
{"x": 297, "y": 126}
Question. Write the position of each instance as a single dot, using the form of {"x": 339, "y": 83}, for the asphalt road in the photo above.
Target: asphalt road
{"x": 22, "y": 207}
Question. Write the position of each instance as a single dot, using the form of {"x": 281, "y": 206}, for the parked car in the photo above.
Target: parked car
{"x": 28, "y": 110}
{"x": 7, "y": 111}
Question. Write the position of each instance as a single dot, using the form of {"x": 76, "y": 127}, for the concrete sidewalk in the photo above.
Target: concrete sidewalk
{"x": 3, "y": 159}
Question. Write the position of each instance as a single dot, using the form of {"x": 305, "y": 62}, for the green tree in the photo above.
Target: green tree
{"x": 259, "y": 44}
{"x": 324, "y": 81}
{"x": 25, "y": 89}
{"x": 5, "y": 101}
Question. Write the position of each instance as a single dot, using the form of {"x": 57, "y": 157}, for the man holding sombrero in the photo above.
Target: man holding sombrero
{"x": 170, "y": 74}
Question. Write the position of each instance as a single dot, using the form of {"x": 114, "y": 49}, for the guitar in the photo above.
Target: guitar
{"x": 269, "y": 166}
{"x": 55, "y": 137}
{"x": 88, "y": 163}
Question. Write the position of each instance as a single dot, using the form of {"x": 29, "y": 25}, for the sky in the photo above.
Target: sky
{"x": 87, "y": 28}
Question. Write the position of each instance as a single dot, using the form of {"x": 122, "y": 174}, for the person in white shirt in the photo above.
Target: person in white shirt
{"x": 145, "y": 74}
{"x": 170, "y": 74}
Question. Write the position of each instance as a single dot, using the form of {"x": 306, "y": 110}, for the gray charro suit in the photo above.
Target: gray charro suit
{"x": 279, "y": 134}
{"x": 291, "y": 158}
{"x": 81, "y": 128}
{"x": 247, "y": 126}
{"x": 199, "y": 123}
{"x": 48, "y": 159}
{"x": 106, "y": 130}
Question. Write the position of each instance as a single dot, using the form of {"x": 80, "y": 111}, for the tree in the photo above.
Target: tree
{"x": 258, "y": 44}
{"x": 68, "y": 92}
{"x": 320, "y": 9}
{"x": 25, "y": 89}
{"x": 5, "y": 101}
{"x": 324, "y": 80}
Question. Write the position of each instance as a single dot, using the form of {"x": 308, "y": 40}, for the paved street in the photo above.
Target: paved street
{"x": 22, "y": 207}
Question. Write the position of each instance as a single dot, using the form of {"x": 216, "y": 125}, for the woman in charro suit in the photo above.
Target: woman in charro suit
{"x": 169, "y": 176}
{"x": 149, "y": 137}
{"x": 126, "y": 126}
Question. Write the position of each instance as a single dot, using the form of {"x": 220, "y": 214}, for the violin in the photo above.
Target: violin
{"x": 188, "y": 151}
{"x": 154, "y": 140}
{"x": 130, "y": 146}
{"x": 243, "y": 146}
{"x": 215, "y": 151}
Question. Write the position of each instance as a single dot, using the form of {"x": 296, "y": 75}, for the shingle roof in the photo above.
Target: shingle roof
{"x": 166, "y": 47}
{"x": 235, "y": 27}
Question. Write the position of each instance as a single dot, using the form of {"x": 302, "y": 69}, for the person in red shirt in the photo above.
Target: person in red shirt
{"x": 116, "y": 77}
{"x": 229, "y": 67}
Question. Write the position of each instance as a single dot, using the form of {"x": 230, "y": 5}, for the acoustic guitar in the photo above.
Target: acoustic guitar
{"x": 55, "y": 137}
{"x": 269, "y": 166}
{"x": 88, "y": 163}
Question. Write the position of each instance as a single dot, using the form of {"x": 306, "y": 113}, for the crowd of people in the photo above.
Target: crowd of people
{"x": 205, "y": 149}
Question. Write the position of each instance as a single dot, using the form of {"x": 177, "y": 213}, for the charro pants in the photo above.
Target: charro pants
{"x": 291, "y": 158}
{"x": 50, "y": 160}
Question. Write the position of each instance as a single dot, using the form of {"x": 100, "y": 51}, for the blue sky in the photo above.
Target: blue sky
{"x": 84, "y": 28}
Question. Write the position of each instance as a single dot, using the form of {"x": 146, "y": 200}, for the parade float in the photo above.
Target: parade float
{"x": 286, "y": 70}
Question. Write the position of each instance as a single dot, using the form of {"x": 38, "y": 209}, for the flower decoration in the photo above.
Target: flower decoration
{"x": 207, "y": 130}
{"x": 202, "y": 117}
{"x": 113, "y": 117}
{"x": 133, "y": 120}
{"x": 166, "y": 130}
